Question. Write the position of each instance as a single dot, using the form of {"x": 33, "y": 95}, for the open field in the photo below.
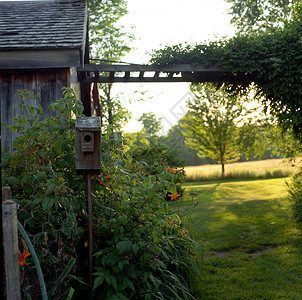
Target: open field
{"x": 270, "y": 168}
{"x": 252, "y": 247}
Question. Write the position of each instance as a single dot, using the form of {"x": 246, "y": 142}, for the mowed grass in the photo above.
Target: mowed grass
{"x": 252, "y": 247}
{"x": 269, "y": 168}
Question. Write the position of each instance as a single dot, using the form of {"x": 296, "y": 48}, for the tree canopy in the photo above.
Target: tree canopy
{"x": 176, "y": 140}
{"x": 274, "y": 60}
{"x": 109, "y": 42}
{"x": 108, "y": 39}
{"x": 261, "y": 15}
{"x": 213, "y": 124}
{"x": 151, "y": 125}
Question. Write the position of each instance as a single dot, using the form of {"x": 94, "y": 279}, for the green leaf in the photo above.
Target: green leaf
{"x": 70, "y": 294}
{"x": 123, "y": 263}
{"x": 113, "y": 282}
{"x": 98, "y": 281}
{"x": 123, "y": 246}
{"x": 135, "y": 248}
{"x": 111, "y": 259}
{"x": 12, "y": 180}
{"x": 62, "y": 277}
{"x": 126, "y": 283}
{"x": 47, "y": 203}
{"x": 58, "y": 148}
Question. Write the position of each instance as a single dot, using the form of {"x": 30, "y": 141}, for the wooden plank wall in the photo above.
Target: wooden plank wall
{"x": 47, "y": 84}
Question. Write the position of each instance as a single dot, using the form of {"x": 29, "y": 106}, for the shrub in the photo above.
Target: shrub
{"x": 39, "y": 171}
{"x": 141, "y": 250}
{"x": 157, "y": 152}
{"x": 295, "y": 195}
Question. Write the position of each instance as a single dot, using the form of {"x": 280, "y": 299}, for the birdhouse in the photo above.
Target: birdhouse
{"x": 88, "y": 145}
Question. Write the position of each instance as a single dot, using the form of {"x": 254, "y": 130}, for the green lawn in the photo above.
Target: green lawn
{"x": 252, "y": 247}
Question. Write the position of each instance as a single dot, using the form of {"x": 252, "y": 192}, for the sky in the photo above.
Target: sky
{"x": 168, "y": 22}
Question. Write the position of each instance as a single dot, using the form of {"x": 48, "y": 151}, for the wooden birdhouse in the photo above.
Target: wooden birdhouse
{"x": 88, "y": 145}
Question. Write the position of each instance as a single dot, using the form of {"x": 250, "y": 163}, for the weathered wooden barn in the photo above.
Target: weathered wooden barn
{"x": 42, "y": 43}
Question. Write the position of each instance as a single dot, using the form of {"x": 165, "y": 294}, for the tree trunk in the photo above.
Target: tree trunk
{"x": 222, "y": 170}
{"x": 110, "y": 114}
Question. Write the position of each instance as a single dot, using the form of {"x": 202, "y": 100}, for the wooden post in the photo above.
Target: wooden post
{"x": 90, "y": 240}
{"x": 10, "y": 240}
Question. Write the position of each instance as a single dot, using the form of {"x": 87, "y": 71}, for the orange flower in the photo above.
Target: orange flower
{"x": 100, "y": 181}
{"x": 174, "y": 196}
{"x": 109, "y": 176}
{"x": 23, "y": 256}
{"x": 171, "y": 170}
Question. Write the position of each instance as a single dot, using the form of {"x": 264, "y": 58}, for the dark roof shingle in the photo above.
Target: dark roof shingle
{"x": 49, "y": 24}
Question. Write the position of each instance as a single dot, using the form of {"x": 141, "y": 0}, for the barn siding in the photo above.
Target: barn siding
{"x": 47, "y": 84}
{"x": 6, "y": 109}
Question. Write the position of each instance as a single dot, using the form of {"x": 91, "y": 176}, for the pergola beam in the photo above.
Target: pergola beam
{"x": 141, "y": 73}
{"x": 146, "y": 68}
{"x": 93, "y": 73}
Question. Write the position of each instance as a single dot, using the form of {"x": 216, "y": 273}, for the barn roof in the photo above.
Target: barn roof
{"x": 49, "y": 24}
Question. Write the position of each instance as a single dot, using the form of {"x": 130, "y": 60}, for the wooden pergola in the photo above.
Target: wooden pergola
{"x": 119, "y": 73}
{"x": 105, "y": 73}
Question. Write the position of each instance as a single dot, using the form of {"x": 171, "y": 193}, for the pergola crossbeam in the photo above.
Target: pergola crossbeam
{"x": 141, "y": 73}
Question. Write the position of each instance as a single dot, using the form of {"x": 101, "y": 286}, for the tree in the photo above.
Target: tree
{"x": 176, "y": 140}
{"x": 151, "y": 126}
{"x": 262, "y": 139}
{"x": 109, "y": 42}
{"x": 272, "y": 59}
{"x": 108, "y": 39}
{"x": 146, "y": 145}
{"x": 210, "y": 125}
{"x": 114, "y": 115}
{"x": 261, "y": 15}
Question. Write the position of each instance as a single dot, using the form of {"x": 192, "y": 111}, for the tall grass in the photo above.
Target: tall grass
{"x": 270, "y": 168}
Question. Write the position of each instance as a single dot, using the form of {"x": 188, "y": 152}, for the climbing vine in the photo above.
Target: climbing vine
{"x": 273, "y": 59}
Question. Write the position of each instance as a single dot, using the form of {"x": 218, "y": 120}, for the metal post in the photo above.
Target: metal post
{"x": 90, "y": 245}
{"x": 10, "y": 237}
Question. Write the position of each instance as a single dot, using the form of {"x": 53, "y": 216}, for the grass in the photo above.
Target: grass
{"x": 270, "y": 168}
{"x": 252, "y": 247}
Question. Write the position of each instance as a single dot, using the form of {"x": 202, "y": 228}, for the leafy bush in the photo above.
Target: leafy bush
{"x": 141, "y": 250}
{"x": 295, "y": 195}
{"x": 156, "y": 152}
{"x": 39, "y": 171}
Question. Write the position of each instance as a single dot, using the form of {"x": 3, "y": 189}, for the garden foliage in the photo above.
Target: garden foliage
{"x": 141, "y": 249}
{"x": 295, "y": 195}
{"x": 149, "y": 146}
{"x": 261, "y": 15}
{"x": 273, "y": 60}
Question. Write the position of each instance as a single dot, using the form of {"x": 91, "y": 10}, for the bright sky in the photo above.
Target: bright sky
{"x": 161, "y": 22}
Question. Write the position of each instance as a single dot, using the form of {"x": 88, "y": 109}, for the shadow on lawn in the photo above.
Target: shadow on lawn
{"x": 252, "y": 245}
{"x": 250, "y": 225}
{"x": 222, "y": 219}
